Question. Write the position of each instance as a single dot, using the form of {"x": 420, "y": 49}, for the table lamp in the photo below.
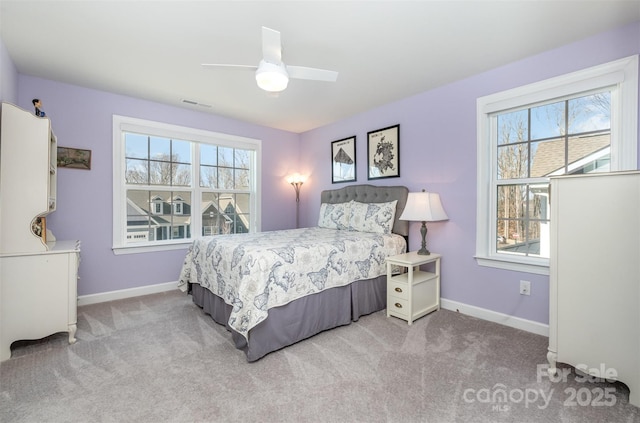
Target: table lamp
{"x": 423, "y": 207}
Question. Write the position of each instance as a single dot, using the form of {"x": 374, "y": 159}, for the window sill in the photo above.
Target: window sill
{"x": 147, "y": 248}
{"x": 518, "y": 266}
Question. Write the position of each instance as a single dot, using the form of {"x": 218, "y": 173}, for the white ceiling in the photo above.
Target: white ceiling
{"x": 383, "y": 50}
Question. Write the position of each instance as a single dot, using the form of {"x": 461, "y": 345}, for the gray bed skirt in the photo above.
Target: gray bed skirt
{"x": 300, "y": 319}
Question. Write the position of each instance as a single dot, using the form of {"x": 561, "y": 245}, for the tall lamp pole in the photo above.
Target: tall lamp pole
{"x": 296, "y": 182}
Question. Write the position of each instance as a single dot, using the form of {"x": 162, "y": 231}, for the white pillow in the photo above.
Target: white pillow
{"x": 334, "y": 216}
{"x": 372, "y": 217}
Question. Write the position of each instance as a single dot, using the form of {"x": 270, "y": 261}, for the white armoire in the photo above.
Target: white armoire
{"x": 594, "y": 313}
{"x": 38, "y": 275}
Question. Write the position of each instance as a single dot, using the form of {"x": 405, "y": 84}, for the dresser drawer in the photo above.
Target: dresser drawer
{"x": 398, "y": 289}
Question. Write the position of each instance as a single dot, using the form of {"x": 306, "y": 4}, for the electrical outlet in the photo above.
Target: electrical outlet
{"x": 525, "y": 288}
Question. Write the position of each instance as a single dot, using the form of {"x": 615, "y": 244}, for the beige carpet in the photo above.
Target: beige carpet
{"x": 159, "y": 358}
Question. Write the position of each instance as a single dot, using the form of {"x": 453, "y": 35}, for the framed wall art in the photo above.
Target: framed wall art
{"x": 74, "y": 158}
{"x": 383, "y": 153}
{"x": 343, "y": 160}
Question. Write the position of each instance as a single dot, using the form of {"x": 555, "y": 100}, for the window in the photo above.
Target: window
{"x": 177, "y": 205}
{"x": 156, "y": 203}
{"x": 579, "y": 123}
{"x": 172, "y": 183}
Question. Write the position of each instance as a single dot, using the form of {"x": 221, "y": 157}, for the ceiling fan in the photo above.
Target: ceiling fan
{"x": 272, "y": 74}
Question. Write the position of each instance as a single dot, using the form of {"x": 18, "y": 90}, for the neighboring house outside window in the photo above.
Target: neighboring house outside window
{"x": 172, "y": 183}
{"x": 583, "y": 122}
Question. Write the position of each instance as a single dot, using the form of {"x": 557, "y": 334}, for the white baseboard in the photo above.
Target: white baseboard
{"x": 126, "y": 293}
{"x": 494, "y": 316}
{"x": 480, "y": 313}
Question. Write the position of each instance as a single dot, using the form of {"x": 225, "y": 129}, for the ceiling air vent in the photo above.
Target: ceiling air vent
{"x": 195, "y": 103}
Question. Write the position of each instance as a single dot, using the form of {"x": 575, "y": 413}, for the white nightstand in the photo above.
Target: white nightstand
{"x": 415, "y": 293}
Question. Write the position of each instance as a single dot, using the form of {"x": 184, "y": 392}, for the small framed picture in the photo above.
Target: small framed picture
{"x": 74, "y": 158}
{"x": 343, "y": 160}
{"x": 383, "y": 153}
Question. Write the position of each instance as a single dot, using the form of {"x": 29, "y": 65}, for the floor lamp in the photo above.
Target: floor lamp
{"x": 296, "y": 182}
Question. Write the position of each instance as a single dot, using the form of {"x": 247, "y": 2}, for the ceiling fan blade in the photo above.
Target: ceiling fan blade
{"x": 271, "y": 74}
{"x": 271, "y": 46}
{"x": 301, "y": 72}
{"x": 240, "y": 67}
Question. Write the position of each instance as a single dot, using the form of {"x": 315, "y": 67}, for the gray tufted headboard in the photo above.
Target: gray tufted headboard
{"x": 372, "y": 194}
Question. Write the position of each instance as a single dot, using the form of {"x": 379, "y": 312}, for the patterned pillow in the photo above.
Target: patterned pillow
{"x": 372, "y": 217}
{"x": 334, "y": 216}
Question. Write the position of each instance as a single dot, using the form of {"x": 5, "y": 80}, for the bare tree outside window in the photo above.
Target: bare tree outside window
{"x": 226, "y": 168}
{"x": 157, "y": 161}
{"x": 564, "y": 137}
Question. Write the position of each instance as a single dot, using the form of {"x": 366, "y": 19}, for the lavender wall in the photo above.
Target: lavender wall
{"x": 438, "y": 153}
{"x": 82, "y": 118}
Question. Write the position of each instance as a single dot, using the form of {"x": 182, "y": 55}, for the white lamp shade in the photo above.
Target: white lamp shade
{"x": 271, "y": 77}
{"x": 423, "y": 207}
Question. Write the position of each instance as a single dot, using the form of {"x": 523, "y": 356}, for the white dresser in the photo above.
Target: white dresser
{"x": 38, "y": 294}
{"x": 38, "y": 276}
{"x": 594, "y": 313}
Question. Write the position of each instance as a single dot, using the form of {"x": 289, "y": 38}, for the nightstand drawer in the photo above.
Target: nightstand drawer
{"x": 398, "y": 289}
{"x": 399, "y": 306}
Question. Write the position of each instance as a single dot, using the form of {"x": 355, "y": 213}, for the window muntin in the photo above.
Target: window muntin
{"x": 160, "y": 221}
{"x": 166, "y": 162}
{"x": 225, "y": 213}
{"x": 563, "y": 137}
{"x": 620, "y": 78}
{"x": 225, "y": 168}
{"x": 157, "y": 161}
{"x": 165, "y": 186}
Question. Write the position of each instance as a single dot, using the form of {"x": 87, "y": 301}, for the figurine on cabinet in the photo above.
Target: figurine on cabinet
{"x": 39, "y": 227}
{"x": 37, "y": 104}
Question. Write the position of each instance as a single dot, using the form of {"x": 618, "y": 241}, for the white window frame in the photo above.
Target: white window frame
{"x": 621, "y": 75}
{"x": 122, "y": 124}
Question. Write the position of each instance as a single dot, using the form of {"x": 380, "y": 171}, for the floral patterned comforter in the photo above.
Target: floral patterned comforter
{"x": 255, "y": 272}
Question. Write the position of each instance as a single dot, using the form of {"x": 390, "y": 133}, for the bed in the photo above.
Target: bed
{"x": 273, "y": 289}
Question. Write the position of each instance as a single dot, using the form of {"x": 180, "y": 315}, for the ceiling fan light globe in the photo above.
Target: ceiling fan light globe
{"x": 272, "y": 81}
{"x": 272, "y": 78}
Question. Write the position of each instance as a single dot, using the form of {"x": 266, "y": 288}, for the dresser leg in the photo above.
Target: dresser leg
{"x": 552, "y": 358}
{"x": 5, "y": 352}
{"x": 72, "y": 333}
